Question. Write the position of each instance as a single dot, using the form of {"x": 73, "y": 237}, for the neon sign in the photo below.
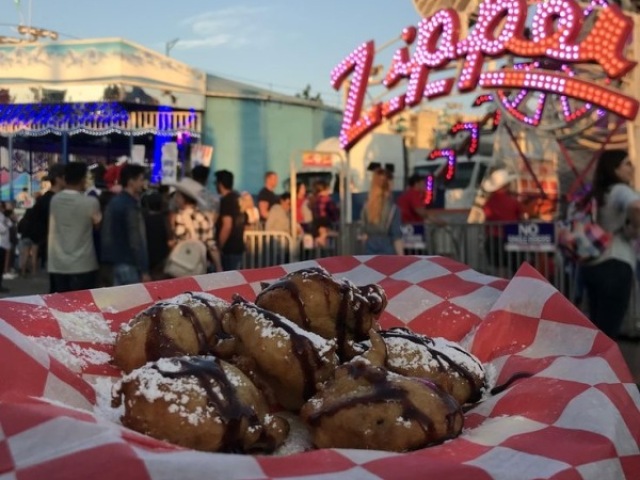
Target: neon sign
{"x": 556, "y": 34}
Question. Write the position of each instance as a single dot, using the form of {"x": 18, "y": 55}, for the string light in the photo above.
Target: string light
{"x": 448, "y": 173}
{"x": 474, "y": 129}
{"x": 95, "y": 118}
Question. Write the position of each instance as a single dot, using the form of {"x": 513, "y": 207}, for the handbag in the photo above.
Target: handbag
{"x": 188, "y": 257}
{"x": 580, "y": 238}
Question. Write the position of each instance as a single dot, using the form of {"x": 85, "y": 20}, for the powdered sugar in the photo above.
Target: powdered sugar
{"x": 73, "y": 356}
{"x": 299, "y": 438}
{"x": 84, "y": 326}
{"x": 270, "y": 330}
{"x": 103, "y": 386}
{"x": 187, "y": 298}
{"x": 404, "y": 353}
{"x": 152, "y": 385}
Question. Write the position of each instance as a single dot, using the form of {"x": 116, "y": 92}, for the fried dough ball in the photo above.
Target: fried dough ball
{"x": 445, "y": 363}
{"x": 368, "y": 407}
{"x": 278, "y": 355}
{"x": 188, "y": 324}
{"x": 201, "y": 403}
{"x": 332, "y": 308}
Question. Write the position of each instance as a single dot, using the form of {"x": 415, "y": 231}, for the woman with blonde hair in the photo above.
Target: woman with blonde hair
{"x": 381, "y": 218}
{"x": 251, "y": 212}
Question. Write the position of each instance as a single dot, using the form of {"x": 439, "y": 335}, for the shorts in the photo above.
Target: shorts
{"x": 25, "y": 243}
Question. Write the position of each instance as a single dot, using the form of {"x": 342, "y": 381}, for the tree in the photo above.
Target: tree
{"x": 307, "y": 95}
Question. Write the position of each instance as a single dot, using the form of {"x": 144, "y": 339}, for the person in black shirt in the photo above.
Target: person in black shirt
{"x": 230, "y": 223}
{"x": 267, "y": 197}
{"x": 41, "y": 211}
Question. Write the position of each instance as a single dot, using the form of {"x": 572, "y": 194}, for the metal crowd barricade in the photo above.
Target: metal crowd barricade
{"x": 266, "y": 249}
{"x": 463, "y": 242}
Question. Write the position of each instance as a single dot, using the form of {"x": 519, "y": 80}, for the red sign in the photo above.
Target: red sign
{"x": 317, "y": 159}
{"x": 556, "y": 34}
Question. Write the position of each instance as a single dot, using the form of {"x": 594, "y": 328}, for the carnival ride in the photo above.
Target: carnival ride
{"x": 536, "y": 124}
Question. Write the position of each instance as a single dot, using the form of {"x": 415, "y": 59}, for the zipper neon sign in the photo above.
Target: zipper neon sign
{"x": 555, "y": 31}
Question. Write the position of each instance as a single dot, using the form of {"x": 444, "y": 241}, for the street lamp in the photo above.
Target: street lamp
{"x": 169, "y": 46}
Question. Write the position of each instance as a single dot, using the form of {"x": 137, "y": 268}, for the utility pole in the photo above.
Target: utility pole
{"x": 169, "y": 46}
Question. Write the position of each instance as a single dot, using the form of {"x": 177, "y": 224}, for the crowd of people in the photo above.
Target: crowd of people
{"x": 127, "y": 233}
{"x": 109, "y": 228}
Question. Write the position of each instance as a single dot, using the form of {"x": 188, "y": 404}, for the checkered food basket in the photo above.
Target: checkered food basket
{"x": 575, "y": 417}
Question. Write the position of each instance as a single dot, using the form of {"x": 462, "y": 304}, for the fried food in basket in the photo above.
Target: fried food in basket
{"x": 188, "y": 324}
{"x": 368, "y": 407}
{"x": 278, "y": 355}
{"x": 331, "y": 308}
{"x": 201, "y": 403}
{"x": 445, "y": 363}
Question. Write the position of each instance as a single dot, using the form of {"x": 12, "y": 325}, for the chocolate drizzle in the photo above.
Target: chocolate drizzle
{"x": 516, "y": 376}
{"x": 444, "y": 361}
{"x": 383, "y": 391}
{"x": 227, "y": 404}
{"x": 308, "y": 357}
{"x": 159, "y": 344}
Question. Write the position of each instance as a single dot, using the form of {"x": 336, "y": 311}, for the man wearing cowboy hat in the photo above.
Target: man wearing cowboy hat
{"x": 190, "y": 222}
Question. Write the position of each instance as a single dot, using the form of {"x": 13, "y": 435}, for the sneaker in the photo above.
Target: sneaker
{"x": 9, "y": 276}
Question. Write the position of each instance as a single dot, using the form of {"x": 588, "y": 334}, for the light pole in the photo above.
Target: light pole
{"x": 169, "y": 46}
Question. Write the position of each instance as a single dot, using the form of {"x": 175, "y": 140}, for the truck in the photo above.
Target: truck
{"x": 328, "y": 161}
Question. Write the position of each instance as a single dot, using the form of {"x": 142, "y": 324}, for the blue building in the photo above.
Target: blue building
{"x": 254, "y": 130}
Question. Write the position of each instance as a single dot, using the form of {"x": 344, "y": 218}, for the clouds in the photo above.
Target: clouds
{"x": 228, "y": 27}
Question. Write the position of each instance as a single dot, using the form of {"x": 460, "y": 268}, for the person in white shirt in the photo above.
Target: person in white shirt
{"x": 609, "y": 279}
{"x": 72, "y": 260}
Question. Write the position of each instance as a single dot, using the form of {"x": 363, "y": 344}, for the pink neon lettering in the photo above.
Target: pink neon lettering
{"x": 556, "y": 27}
{"x": 483, "y": 39}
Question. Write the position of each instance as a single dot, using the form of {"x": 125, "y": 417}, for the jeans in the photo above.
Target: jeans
{"x": 608, "y": 287}
{"x": 3, "y": 252}
{"x": 231, "y": 261}
{"x": 124, "y": 274}
{"x": 70, "y": 282}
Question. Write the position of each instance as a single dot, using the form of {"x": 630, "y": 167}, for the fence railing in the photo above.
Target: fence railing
{"x": 467, "y": 243}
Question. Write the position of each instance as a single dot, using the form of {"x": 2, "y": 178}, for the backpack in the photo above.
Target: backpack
{"x": 188, "y": 257}
{"x": 580, "y": 238}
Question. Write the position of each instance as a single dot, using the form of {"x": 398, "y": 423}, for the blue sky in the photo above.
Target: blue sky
{"x": 278, "y": 44}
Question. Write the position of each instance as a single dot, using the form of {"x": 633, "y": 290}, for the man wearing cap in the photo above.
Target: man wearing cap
{"x": 124, "y": 242}
{"x": 42, "y": 207}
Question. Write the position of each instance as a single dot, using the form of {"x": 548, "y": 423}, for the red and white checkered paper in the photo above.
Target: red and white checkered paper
{"x": 577, "y": 417}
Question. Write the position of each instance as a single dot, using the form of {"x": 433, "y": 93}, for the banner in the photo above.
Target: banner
{"x": 137, "y": 154}
{"x": 201, "y": 155}
{"x": 169, "y": 163}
